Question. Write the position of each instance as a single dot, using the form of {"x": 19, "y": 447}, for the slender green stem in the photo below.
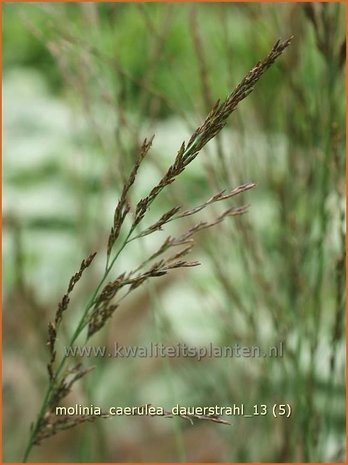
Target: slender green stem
{"x": 81, "y": 325}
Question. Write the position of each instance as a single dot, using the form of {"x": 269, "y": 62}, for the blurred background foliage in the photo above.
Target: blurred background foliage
{"x": 83, "y": 84}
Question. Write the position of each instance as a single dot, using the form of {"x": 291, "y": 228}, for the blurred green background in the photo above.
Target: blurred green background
{"x": 83, "y": 84}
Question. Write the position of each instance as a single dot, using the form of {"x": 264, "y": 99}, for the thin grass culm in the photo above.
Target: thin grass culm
{"x": 171, "y": 254}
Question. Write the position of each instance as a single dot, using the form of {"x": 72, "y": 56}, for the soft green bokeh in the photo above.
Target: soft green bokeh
{"x": 83, "y": 85}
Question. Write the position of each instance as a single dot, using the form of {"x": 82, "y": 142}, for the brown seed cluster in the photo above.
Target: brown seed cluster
{"x": 217, "y": 118}
{"x": 62, "y": 307}
{"x": 159, "y": 263}
{"x": 212, "y": 125}
{"x": 123, "y": 206}
{"x": 103, "y": 308}
{"x": 171, "y": 214}
{"x": 49, "y": 423}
